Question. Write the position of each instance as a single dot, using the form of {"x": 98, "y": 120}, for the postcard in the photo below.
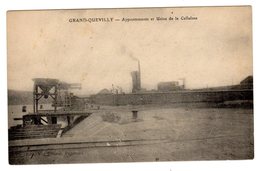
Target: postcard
{"x": 130, "y": 85}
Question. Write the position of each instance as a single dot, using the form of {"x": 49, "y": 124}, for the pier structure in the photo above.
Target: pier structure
{"x": 44, "y": 123}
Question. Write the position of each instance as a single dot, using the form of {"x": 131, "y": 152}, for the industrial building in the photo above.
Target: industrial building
{"x": 173, "y": 92}
{"x": 247, "y": 83}
{"x": 169, "y": 86}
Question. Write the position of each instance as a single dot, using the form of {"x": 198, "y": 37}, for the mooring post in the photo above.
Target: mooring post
{"x": 68, "y": 119}
{"x": 24, "y": 109}
{"x": 135, "y": 114}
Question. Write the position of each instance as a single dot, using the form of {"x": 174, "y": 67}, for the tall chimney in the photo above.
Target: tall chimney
{"x": 136, "y": 79}
{"x": 139, "y": 75}
{"x": 134, "y": 75}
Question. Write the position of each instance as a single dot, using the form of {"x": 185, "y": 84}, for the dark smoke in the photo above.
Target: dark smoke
{"x": 128, "y": 53}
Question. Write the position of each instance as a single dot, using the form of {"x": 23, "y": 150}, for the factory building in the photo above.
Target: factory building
{"x": 169, "y": 86}
{"x": 247, "y": 83}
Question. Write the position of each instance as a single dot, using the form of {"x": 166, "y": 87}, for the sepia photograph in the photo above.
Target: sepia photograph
{"x": 130, "y": 85}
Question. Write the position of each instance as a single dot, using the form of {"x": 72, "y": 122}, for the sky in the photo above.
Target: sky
{"x": 214, "y": 50}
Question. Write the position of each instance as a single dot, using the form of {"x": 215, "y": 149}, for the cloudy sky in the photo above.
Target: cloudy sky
{"x": 214, "y": 50}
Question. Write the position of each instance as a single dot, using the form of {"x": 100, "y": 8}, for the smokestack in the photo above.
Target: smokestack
{"x": 136, "y": 79}
{"x": 139, "y": 74}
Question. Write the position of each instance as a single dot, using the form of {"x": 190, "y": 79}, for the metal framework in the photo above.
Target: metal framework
{"x": 44, "y": 87}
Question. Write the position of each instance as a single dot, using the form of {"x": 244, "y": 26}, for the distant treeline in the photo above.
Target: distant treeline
{"x": 16, "y": 97}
